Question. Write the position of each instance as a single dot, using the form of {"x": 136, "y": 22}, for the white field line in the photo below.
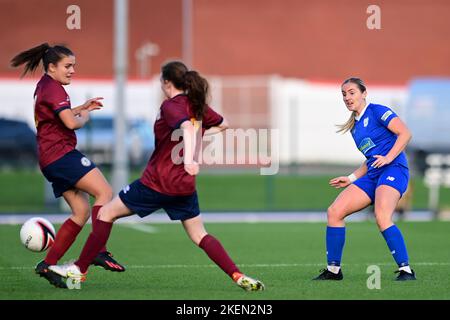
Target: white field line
{"x": 223, "y": 217}
{"x": 140, "y": 227}
{"x": 257, "y": 265}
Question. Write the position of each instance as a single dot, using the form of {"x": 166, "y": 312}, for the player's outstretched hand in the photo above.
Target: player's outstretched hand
{"x": 93, "y": 104}
{"x": 381, "y": 161}
{"x": 340, "y": 182}
{"x": 192, "y": 168}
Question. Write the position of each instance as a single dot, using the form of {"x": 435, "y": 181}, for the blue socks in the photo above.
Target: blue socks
{"x": 392, "y": 235}
{"x": 396, "y": 244}
{"x": 335, "y": 245}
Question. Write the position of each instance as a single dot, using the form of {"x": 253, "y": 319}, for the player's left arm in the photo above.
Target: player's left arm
{"x": 397, "y": 126}
{"x": 217, "y": 129}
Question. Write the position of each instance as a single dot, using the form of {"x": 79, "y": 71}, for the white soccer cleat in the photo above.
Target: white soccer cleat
{"x": 70, "y": 270}
{"x": 247, "y": 283}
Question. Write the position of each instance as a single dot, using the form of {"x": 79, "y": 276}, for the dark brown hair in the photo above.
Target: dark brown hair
{"x": 195, "y": 86}
{"x": 43, "y": 52}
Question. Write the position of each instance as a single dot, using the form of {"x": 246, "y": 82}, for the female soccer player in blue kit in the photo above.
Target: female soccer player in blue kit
{"x": 165, "y": 183}
{"x": 381, "y": 180}
{"x": 72, "y": 175}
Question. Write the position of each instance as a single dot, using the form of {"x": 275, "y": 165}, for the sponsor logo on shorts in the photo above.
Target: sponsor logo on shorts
{"x": 85, "y": 162}
{"x": 126, "y": 189}
{"x": 390, "y": 178}
{"x": 386, "y": 115}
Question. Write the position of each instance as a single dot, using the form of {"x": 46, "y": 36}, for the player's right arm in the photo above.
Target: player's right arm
{"x": 74, "y": 122}
{"x": 344, "y": 181}
{"x": 190, "y": 165}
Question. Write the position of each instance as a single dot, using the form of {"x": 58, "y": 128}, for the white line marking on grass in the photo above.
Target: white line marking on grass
{"x": 140, "y": 227}
{"x": 261, "y": 265}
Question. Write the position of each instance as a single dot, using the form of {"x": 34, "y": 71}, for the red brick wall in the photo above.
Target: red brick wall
{"x": 24, "y": 24}
{"x": 324, "y": 39}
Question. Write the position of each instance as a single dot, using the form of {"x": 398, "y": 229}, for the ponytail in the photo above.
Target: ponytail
{"x": 197, "y": 91}
{"x": 348, "y": 125}
{"x": 43, "y": 52}
{"x": 31, "y": 58}
{"x": 195, "y": 86}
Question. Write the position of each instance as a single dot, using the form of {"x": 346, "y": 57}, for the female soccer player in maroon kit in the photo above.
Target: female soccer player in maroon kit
{"x": 166, "y": 183}
{"x": 72, "y": 175}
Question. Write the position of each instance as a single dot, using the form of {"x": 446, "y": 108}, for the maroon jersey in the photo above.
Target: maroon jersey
{"x": 161, "y": 173}
{"x": 54, "y": 139}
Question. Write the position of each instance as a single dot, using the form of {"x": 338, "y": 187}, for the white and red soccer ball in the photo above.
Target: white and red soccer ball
{"x": 37, "y": 234}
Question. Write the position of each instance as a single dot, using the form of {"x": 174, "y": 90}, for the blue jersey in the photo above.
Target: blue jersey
{"x": 372, "y": 137}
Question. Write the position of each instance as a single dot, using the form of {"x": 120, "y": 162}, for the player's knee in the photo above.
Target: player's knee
{"x": 104, "y": 194}
{"x": 383, "y": 220}
{"x": 108, "y": 193}
{"x": 334, "y": 214}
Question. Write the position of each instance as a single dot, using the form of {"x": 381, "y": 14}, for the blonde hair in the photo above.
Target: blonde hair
{"x": 350, "y": 123}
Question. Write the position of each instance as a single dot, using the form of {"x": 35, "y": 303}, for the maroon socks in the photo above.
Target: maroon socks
{"x": 95, "y": 210}
{"x": 95, "y": 242}
{"x": 217, "y": 253}
{"x": 64, "y": 238}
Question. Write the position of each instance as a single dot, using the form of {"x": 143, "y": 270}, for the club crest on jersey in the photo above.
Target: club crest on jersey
{"x": 85, "y": 162}
{"x": 365, "y": 145}
{"x": 366, "y": 122}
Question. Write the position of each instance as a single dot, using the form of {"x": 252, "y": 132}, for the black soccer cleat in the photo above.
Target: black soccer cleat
{"x": 328, "y": 275}
{"x": 55, "y": 279}
{"x": 106, "y": 261}
{"x": 405, "y": 276}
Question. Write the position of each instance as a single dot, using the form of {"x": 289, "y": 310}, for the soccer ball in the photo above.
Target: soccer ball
{"x": 37, "y": 234}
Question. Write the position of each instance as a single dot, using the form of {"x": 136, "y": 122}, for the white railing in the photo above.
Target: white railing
{"x": 437, "y": 175}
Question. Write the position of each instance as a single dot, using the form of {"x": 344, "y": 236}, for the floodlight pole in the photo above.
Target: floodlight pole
{"x": 120, "y": 164}
{"x": 187, "y": 33}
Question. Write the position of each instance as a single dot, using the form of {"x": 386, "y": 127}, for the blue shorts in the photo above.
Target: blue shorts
{"x": 65, "y": 172}
{"x": 143, "y": 201}
{"x": 394, "y": 175}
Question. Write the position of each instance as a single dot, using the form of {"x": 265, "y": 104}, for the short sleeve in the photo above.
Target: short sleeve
{"x": 383, "y": 114}
{"x": 174, "y": 113}
{"x": 57, "y": 99}
{"x": 211, "y": 118}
